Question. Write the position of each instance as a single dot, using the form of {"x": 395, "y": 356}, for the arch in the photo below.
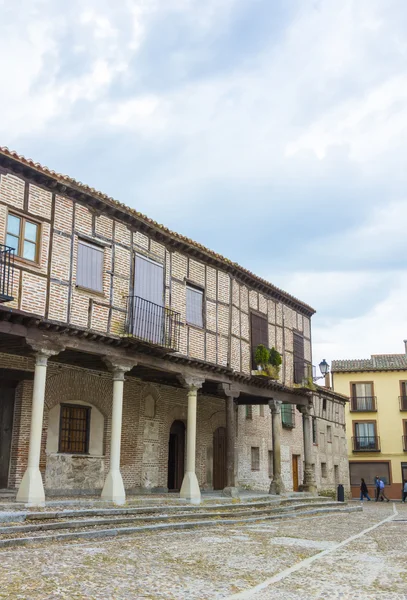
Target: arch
{"x": 176, "y": 456}
{"x": 219, "y": 458}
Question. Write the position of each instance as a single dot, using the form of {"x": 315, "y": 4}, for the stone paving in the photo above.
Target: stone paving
{"x": 222, "y": 563}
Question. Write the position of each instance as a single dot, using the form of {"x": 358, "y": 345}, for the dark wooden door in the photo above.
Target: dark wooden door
{"x": 219, "y": 459}
{"x": 6, "y": 430}
{"x": 295, "y": 472}
{"x": 176, "y": 456}
{"x": 259, "y": 334}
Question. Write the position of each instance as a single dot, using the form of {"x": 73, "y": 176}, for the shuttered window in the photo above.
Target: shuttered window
{"x": 89, "y": 270}
{"x": 369, "y": 470}
{"x": 194, "y": 306}
{"x": 259, "y": 334}
{"x": 299, "y": 364}
{"x": 255, "y": 456}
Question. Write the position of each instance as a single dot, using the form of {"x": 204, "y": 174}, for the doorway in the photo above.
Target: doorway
{"x": 219, "y": 458}
{"x": 295, "y": 472}
{"x": 176, "y": 456}
{"x": 6, "y": 431}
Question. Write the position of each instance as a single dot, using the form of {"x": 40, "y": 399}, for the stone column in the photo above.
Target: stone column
{"x": 31, "y": 490}
{"x": 190, "y": 487}
{"x": 276, "y": 485}
{"x": 231, "y": 393}
{"x": 113, "y": 489}
{"x": 309, "y": 484}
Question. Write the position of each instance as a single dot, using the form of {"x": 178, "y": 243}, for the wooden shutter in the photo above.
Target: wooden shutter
{"x": 299, "y": 363}
{"x": 149, "y": 280}
{"x": 194, "y": 306}
{"x": 89, "y": 269}
{"x": 259, "y": 334}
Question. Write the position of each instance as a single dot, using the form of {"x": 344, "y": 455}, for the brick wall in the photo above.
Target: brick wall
{"x": 49, "y": 287}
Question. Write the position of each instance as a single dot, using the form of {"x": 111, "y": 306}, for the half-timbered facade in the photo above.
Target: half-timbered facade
{"x": 126, "y": 353}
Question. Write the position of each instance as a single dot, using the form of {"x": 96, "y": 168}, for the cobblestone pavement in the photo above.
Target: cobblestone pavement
{"x": 220, "y": 562}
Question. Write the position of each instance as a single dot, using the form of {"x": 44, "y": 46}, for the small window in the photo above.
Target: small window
{"x": 329, "y": 433}
{"x": 323, "y": 403}
{"x": 23, "y": 236}
{"x": 255, "y": 452}
{"x": 270, "y": 454}
{"x": 74, "y": 429}
{"x": 261, "y": 410}
{"x": 314, "y": 431}
{"x": 249, "y": 411}
{"x": 324, "y": 472}
{"x": 259, "y": 334}
{"x": 89, "y": 271}
{"x": 194, "y": 306}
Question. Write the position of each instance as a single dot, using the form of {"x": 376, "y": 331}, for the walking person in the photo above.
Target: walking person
{"x": 364, "y": 492}
{"x": 377, "y": 487}
{"x": 382, "y": 494}
{"x": 405, "y": 491}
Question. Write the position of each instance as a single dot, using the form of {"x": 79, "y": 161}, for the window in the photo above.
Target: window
{"x": 89, "y": 271}
{"x": 329, "y": 433}
{"x": 300, "y": 372}
{"x": 369, "y": 470}
{"x": 259, "y": 334}
{"x": 74, "y": 429}
{"x": 249, "y": 411}
{"x": 261, "y": 410}
{"x": 365, "y": 436}
{"x": 270, "y": 455}
{"x": 323, "y": 403}
{"x": 362, "y": 397}
{"x": 23, "y": 236}
{"x": 324, "y": 472}
{"x": 403, "y": 396}
{"x": 314, "y": 431}
{"x": 287, "y": 415}
{"x": 194, "y": 306}
{"x": 255, "y": 453}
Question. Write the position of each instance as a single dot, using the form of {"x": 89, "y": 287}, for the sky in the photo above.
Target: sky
{"x": 272, "y": 131}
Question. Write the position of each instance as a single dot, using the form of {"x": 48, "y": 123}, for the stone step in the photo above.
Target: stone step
{"x": 11, "y": 537}
{"x": 42, "y": 514}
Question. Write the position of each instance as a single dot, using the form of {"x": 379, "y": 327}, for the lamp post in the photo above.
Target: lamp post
{"x": 324, "y": 368}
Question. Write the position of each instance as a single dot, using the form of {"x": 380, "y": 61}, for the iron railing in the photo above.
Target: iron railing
{"x": 403, "y": 402}
{"x": 153, "y": 323}
{"x": 288, "y": 416}
{"x": 303, "y": 372}
{"x": 404, "y": 443}
{"x": 368, "y": 443}
{"x": 6, "y": 273}
{"x": 363, "y": 404}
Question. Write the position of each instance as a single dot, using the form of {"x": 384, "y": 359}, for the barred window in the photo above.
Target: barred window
{"x": 270, "y": 455}
{"x": 249, "y": 411}
{"x": 74, "y": 429}
{"x": 255, "y": 452}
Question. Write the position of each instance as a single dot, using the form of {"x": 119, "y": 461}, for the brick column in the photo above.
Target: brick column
{"x": 113, "y": 489}
{"x": 309, "y": 484}
{"x": 190, "y": 487}
{"x": 276, "y": 485}
{"x": 31, "y": 489}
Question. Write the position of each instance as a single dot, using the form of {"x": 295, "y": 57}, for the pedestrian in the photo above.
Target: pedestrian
{"x": 405, "y": 491}
{"x": 382, "y": 494}
{"x": 364, "y": 492}
{"x": 377, "y": 487}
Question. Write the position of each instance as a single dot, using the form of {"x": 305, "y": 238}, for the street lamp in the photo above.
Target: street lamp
{"x": 324, "y": 368}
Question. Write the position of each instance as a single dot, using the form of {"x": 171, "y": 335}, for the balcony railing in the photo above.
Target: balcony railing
{"x": 6, "y": 273}
{"x": 303, "y": 372}
{"x": 153, "y": 323}
{"x": 363, "y": 404}
{"x": 370, "y": 443}
{"x": 403, "y": 402}
{"x": 404, "y": 443}
{"x": 288, "y": 416}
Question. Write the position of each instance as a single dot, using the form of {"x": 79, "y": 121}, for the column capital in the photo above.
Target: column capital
{"x": 119, "y": 366}
{"x": 275, "y": 406}
{"x": 44, "y": 349}
{"x": 230, "y": 390}
{"x": 305, "y": 409}
{"x": 192, "y": 382}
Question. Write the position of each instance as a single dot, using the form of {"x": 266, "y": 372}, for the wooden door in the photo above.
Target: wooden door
{"x": 6, "y": 430}
{"x": 176, "y": 456}
{"x": 295, "y": 472}
{"x": 219, "y": 459}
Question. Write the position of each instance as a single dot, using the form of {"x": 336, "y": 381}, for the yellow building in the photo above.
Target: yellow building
{"x": 376, "y": 418}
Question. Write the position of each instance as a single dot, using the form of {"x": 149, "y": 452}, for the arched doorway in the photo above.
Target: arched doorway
{"x": 176, "y": 453}
{"x": 219, "y": 458}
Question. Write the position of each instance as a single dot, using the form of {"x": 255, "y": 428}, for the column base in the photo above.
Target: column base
{"x": 113, "y": 490}
{"x": 231, "y": 491}
{"x": 190, "y": 488}
{"x": 277, "y": 487}
{"x": 31, "y": 490}
{"x": 311, "y": 488}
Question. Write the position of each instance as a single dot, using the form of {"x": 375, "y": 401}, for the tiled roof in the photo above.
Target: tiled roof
{"x": 85, "y": 189}
{"x": 377, "y": 362}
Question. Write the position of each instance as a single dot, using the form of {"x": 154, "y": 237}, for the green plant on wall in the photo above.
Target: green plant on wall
{"x": 261, "y": 356}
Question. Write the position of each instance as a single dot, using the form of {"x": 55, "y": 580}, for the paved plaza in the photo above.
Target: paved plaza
{"x": 355, "y": 556}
